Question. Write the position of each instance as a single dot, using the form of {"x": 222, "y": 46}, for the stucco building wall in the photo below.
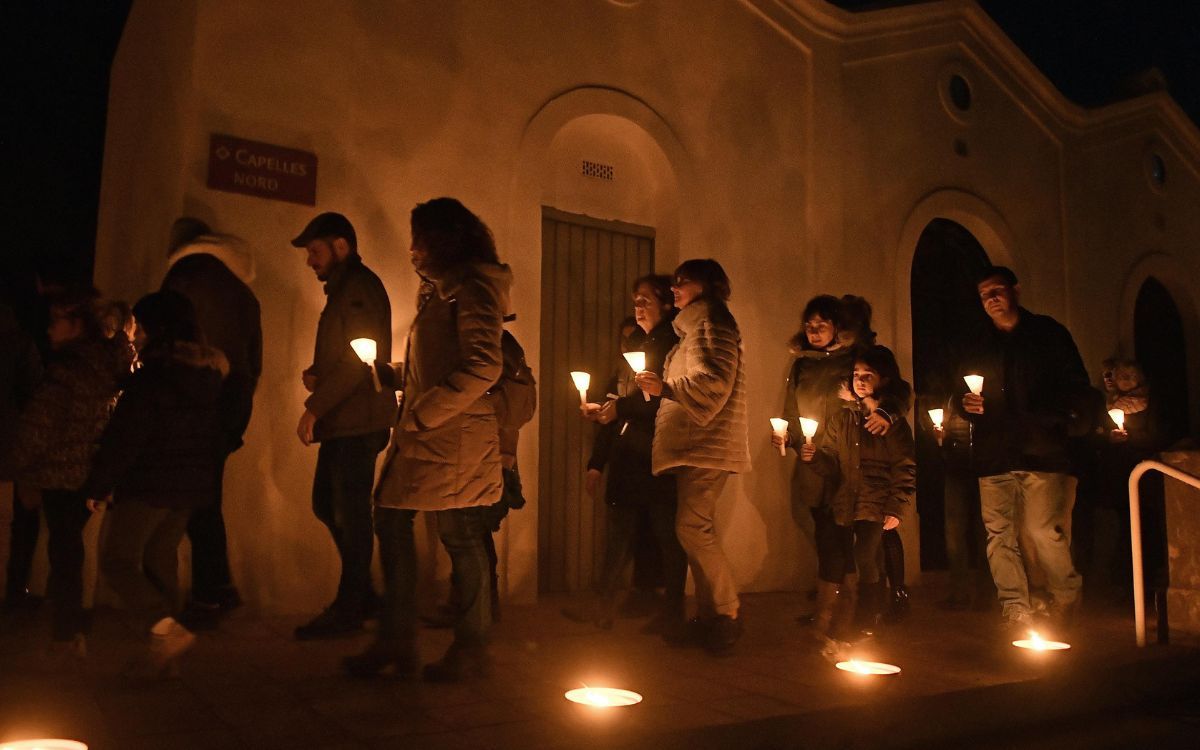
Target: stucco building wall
{"x": 797, "y": 144}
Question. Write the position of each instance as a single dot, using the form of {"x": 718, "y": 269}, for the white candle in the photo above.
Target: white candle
{"x": 809, "y": 428}
{"x": 47, "y": 744}
{"x": 975, "y": 383}
{"x": 1036, "y": 643}
{"x": 1117, "y": 416}
{"x": 582, "y": 381}
{"x": 367, "y": 351}
{"x": 868, "y": 667}
{"x": 936, "y": 416}
{"x": 779, "y": 427}
{"x": 637, "y": 360}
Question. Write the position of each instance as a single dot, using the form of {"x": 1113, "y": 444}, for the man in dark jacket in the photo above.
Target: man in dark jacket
{"x": 1035, "y": 393}
{"x": 213, "y": 271}
{"x": 346, "y": 413}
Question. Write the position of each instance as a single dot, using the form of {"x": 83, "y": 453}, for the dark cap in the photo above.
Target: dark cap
{"x": 326, "y": 225}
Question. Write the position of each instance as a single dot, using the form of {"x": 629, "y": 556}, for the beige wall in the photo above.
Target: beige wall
{"x": 798, "y": 145}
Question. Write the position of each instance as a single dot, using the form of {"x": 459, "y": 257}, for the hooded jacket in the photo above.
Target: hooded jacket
{"x": 57, "y": 433}
{"x": 445, "y": 450}
{"x": 214, "y": 273}
{"x": 344, "y": 400}
{"x": 875, "y": 476}
{"x": 701, "y": 421}
{"x": 164, "y": 443}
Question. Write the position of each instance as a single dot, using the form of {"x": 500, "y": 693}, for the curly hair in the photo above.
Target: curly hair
{"x": 451, "y": 234}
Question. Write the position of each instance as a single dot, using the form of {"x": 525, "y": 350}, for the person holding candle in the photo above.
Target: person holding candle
{"x": 55, "y": 440}
{"x": 1035, "y": 395}
{"x": 158, "y": 461}
{"x": 345, "y": 414}
{"x": 445, "y": 455}
{"x": 875, "y": 481}
{"x": 635, "y": 497}
{"x": 700, "y": 437}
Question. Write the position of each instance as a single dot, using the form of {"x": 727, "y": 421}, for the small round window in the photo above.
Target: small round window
{"x": 1158, "y": 170}
{"x": 960, "y": 92}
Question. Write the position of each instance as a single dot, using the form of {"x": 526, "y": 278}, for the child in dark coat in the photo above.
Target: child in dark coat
{"x": 875, "y": 476}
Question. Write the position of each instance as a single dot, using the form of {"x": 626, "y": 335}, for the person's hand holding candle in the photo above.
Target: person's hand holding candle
{"x": 367, "y": 351}
{"x": 1118, "y": 435}
{"x": 973, "y": 401}
{"x": 779, "y": 434}
{"x": 582, "y": 380}
{"x": 637, "y": 360}
{"x": 937, "y": 416}
{"x": 649, "y": 382}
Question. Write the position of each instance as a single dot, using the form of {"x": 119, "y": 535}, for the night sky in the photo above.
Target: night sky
{"x": 1095, "y": 51}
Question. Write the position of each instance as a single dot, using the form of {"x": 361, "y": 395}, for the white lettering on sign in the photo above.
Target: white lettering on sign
{"x": 272, "y": 164}
{"x": 256, "y": 181}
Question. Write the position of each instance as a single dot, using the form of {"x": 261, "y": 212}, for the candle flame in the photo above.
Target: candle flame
{"x": 366, "y": 349}
{"x": 582, "y": 380}
{"x": 936, "y": 416}
{"x": 975, "y": 383}
{"x": 1117, "y": 416}
{"x": 808, "y": 427}
{"x": 778, "y": 425}
{"x": 636, "y": 360}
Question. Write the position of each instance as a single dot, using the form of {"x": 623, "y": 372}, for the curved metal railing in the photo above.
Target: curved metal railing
{"x": 1135, "y": 535}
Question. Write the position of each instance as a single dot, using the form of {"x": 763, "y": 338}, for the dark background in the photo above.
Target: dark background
{"x": 59, "y": 53}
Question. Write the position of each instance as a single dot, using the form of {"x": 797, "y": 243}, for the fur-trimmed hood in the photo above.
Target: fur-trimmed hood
{"x": 191, "y": 354}
{"x": 230, "y": 250}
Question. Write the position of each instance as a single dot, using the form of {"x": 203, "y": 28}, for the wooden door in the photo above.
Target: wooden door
{"x": 588, "y": 269}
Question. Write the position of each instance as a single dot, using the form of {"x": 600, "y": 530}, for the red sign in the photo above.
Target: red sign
{"x": 262, "y": 170}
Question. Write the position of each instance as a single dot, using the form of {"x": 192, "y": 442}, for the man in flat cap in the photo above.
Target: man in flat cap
{"x": 345, "y": 413}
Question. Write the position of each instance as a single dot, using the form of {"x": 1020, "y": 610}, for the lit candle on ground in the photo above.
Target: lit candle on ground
{"x": 582, "y": 381}
{"x": 602, "y": 697}
{"x": 46, "y": 744}
{"x": 367, "y": 351}
{"x": 1118, "y": 417}
{"x": 809, "y": 428}
{"x": 779, "y": 427}
{"x": 637, "y": 360}
{"x": 1036, "y": 643}
{"x": 974, "y": 383}
{"x": 936, "y": 416}
{"x": 874, "y": 668}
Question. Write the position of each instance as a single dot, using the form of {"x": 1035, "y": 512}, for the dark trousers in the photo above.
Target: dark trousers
{"x": 341, "y": 499}
{"x": 23, "y": 536}
{"x": 141, "y": 558}
{"x": 210, "y": 552}
{"x": 461, "y": 531}
{"x": 66, "y": 516}
{"x": 893, "y": 558}
{"x": 648, "y": 571}
{"x": 831, "y": 544}
{"x": 867, "y": 536}
{"x": 624, "y": 521}
{"x": 966, "y": 538}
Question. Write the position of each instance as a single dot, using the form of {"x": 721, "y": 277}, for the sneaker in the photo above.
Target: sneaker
{"x": 723, "y": 633}
{"x": 1018, "y": 626}
{"x": 331, "y": 623}
{"x": 898, "y": 605}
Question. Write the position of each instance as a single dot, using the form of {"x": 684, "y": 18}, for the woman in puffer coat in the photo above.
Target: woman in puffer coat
{"x": 56, "y": 439}
{"x": 444, "y": 455}
{"x": 158, "y": 461}
{"x": 875, "y": 478}
{"x": 700, "y": 436}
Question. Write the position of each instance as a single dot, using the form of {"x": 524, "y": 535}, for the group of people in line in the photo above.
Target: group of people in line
{"x": 140, "y": 409}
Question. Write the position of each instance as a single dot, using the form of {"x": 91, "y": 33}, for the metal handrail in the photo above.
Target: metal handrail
{"x": 1135, "y": 535}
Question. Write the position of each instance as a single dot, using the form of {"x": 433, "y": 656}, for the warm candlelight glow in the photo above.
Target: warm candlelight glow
{"x": 1117, "y": 416}
{"x": 637, "y": 360}
{"x": 602, "y": 697}
{"x": 1036, "y": 643}
{"x": 43, "y": 745}
{"x": 365, "y": 349}
{"x": 809, "y": 428}
{"x": 936, "y": 416}
{"x": 867, "y": 667}
{"x": 582, "y": 381}
{"x": 975, "y": 383}
{"x": 779, "y": 427}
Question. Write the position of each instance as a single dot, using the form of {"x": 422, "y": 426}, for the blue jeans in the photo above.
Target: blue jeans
{"x": 1040, "y": 502}
{"x": 461, "y": 531}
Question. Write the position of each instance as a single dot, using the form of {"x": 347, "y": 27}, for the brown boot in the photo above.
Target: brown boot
{"x": 827, "y": 596}
{"x": 841, "y": 625}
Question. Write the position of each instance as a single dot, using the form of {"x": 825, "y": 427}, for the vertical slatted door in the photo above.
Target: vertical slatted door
{"x": 588, "y": 266}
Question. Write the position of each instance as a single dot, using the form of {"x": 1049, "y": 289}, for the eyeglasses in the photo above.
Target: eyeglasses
{"x": 681, "y": 281}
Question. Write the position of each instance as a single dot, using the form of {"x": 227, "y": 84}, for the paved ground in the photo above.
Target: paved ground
{"x": 252, "y": 685}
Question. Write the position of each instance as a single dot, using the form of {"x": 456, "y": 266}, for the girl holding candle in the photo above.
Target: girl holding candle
{"x": 700, "y": 437}
{"x": 875, "y": 476}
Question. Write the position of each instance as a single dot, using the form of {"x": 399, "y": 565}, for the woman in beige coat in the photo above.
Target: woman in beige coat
{"x": 700, "y": 436}
{"x": 444, "y": 455}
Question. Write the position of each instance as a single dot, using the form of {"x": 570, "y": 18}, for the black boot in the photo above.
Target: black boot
{"x": 897, "y": 605}
{"x": 461, "y": 662}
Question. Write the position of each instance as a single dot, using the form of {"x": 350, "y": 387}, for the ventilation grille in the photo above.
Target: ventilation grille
{"x": 597, "y": 170}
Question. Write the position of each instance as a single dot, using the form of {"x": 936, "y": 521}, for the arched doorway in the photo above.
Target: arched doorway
{"x": 1160, "y": 346}
{"x": 946, "y": 317}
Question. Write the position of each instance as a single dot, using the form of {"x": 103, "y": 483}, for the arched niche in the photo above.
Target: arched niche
{"x": 595, "y": 123}
{"x": 1180, "y": 282}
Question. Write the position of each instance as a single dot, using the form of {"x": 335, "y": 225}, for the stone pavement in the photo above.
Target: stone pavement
{"x": 250, "y": 685}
